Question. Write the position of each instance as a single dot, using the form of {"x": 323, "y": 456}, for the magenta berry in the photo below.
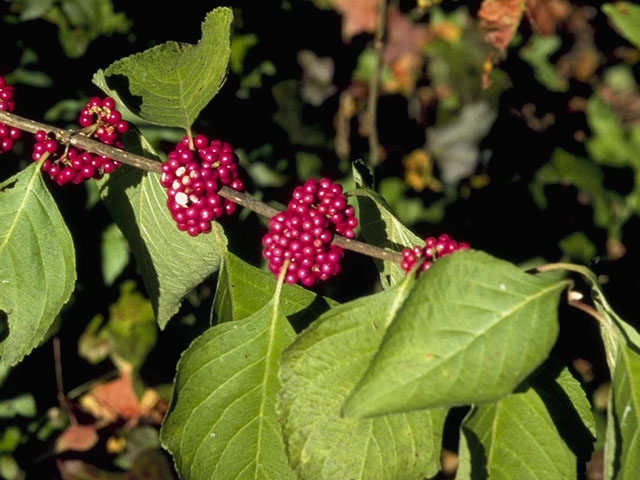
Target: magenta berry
{"x": 433, "y": 250}
{"x": 8, "y": 134}
{"x": 303, "y": 233}
{"x": 192, "y": 180}
{"x": 100, "y": 120}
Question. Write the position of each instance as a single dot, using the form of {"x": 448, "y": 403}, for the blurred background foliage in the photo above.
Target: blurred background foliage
{"x": 512, "y": 125}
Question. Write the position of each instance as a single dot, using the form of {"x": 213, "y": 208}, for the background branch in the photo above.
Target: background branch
{"x": 372, "y": 101}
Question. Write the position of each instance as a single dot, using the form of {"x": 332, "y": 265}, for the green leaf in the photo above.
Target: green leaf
{"x": 81, "y": 21}
{"x": 172, "y": 263}
{"x": 171, "y": 83}
{"x": 380, "y": 227}
{"x": 23, "y": 405}
{"x": 609, "y": 210}
{"x": 319, "y": 369}
{"x": 626, "y": 18}
{"x": 222, "y": 421}
{"x": 622, "y": 442}
{"x": 37, "y": 263}
{"x": 115, "y": 253}
{"x": 610, "y": 143}
{"x": 244, "y": 289}
{"x": 131, "y": 327}
{"x": 537, "y": 54}
{"x": 502, "y": 441}
{"x": 470, "y": 331}
{"x": 622, "y": 346}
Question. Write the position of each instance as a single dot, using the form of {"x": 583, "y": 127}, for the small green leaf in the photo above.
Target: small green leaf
{"x": 500, "y": 440}
{"x": 244, "y": 289}
{"x": 537, "y": 53}
{"x": 380, "y": 227}
{"x": 23, "y": 405}
{"x": 319, "y": 369}
{"x": 171, "y": 83}
{"x": 172, "y": 263}
{"x": 626, "y": 18}
{"x": 222, "y": 422}
{"x": 37, "y": 263}
{"x": 470, "y": 331}
{"x": 115, "y": 253}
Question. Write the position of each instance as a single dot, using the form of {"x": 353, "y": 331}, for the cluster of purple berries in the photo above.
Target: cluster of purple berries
{"x": 433, "y": 249}
{"x": 102, "y": 121}
{"x": 8, "y": 134}
{"x": 303, "y": 233}
{"x": 192, "y": 180}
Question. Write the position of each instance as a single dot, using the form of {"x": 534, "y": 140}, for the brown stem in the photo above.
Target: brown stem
{"x": 372, "y": 101}
{"x": 62, "y": 399}
{"x": 74, "y": 138}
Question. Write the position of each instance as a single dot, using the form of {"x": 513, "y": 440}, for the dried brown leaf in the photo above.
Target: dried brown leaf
{"x": 499, "y": 19}
{"x": 358, "y": 16}
{"x": 546, "y": 15}
{"x": 77, "y": 438}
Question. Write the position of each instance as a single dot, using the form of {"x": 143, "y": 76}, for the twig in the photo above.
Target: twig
{"x": 372, "y": 101}
{"x": 62, "y": 399}
{"x": 74, "y": 138}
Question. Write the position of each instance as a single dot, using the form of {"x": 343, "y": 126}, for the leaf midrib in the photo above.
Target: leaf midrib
{"x": 21, "y": 208}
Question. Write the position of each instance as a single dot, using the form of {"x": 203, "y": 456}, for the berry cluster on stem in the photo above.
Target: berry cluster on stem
{"x": 303, "y": 233}
{"x": 65, "y": 164}
{"x": 433, "y": 250}
{"x": 192, "y": 180}
{"x": 8, "y": 134}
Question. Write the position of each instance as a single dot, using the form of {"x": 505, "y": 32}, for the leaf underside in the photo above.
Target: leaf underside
{"x": 37, "y": 263}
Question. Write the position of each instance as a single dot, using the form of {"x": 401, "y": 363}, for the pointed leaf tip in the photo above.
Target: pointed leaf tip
{"x": 470, "y": 331}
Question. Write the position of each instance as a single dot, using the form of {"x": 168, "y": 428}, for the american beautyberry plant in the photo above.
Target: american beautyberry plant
{"x": 287, "y": 383}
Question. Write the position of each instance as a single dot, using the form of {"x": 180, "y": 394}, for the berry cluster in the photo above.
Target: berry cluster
{"x": 8, "y": 134}
{"x": 433, "y": 249}
{"x": 303, "y": 233}
{"x": 192, "y": 180}
{"x": 101, "y": 120}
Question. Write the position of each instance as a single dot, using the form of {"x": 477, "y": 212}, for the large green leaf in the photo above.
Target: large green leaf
{"x": 470, "y": 331}
{"x": 37, "y": 263}
{"x": 172, "y": 263}
{"x": 171, "y": 83}
{"x": 545, "y": 430}
{"x": 319, "y": 369}
{"x": 622, "y": 346}
{"x": 244, "y": 289}
{"x": 380, "y": 227}
{"x": 626, "y": 17}
{"x": 222, "y": 422}
{"x": 622, "y": 444}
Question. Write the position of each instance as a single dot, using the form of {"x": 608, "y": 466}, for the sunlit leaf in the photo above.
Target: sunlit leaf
{"x": 171, "y": 83}
{"x": 626, "y": 18}
{"x": 37, "y": 263}
{"x": 470, "y": 331}
{"x": 319, "y": 369}
{"x": 381, "y": 228}
{"x": 500, "y": 440}
{"x": 537, "y": 53}
{"x": 622, "y": 346}
{"x": 222, "y": 422}
{"x": 172, "y": 263}
{"x": 244, "y": 289}
{"x": 115, "y": 253}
